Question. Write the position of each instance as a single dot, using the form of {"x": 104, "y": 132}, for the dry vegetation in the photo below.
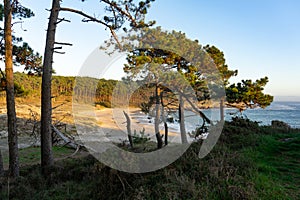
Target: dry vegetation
{"x": 28, "y": 115}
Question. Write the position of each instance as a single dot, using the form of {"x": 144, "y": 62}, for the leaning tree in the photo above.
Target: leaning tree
{"x": 248, "y": 94}
{"x": 120, "y": 14}
{"x": 241, "y": 95}
{"x": 157, "y": 55}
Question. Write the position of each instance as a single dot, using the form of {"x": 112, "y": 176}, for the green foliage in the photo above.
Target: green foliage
{"x": 20, "y": 90}
{"x": 18, "y": 11}
{"x": 242, "y": 131}
{"x": 248, "y": 94}
{"x": 135, "y": 13}
{"x": 243, "y": 95}
{"x": 104, "y": 92}
{"x": 149, "y": 62}
{"x": 64, "y": 86}
{"x": 140, "y": 138}
{"x": 23, "y": 54}
{"x": 21, "y": 12}
{"x": 219, "y": 60}
{"x": 281, "y": 126}
{"x": 145, "y": 107}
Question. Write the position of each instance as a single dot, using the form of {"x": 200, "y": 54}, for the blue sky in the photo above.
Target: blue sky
{"x": 259, "y": 37}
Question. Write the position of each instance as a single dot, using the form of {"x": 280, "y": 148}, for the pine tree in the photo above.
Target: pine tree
{"x": 11, "y": 9}
{"x": 119, "y": 12}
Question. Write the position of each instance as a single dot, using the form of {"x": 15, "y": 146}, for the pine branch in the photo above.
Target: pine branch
{"x": 120, "y": 10}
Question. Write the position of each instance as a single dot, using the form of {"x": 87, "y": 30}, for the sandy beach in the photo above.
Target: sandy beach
{"x": 113, "y": 122}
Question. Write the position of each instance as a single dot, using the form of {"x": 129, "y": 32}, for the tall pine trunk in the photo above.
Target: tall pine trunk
{"x": 182, "y": 122}
{"x": 222, "y": 115}
{"x": 1, "y": 165}
{"x": 157, "y": 117}
{"x": 165, "y": 123}
{"x": 10, "y": 93}
{"x": 46, "y": 111}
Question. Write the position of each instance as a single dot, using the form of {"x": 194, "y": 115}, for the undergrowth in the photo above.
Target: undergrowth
{"x": 248, "y": 162}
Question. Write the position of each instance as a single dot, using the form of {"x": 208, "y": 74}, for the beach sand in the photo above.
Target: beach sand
{"x": 113, "y": 123}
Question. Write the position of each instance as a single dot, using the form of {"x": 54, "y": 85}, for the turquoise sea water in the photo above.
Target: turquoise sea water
{"x": 288, "y": 112}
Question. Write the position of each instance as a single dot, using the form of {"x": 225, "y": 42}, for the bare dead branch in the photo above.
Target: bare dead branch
{"x": 84, "y": 15}
{"x": 59, "y": 52}
{"x": 59, "y": 105}
{"x": 18, "y": 22}
{"x": 62, "y": 20}
{"x": 94, "y": 19}
{"x": 86, "y": 20}
{"x": 67, "y": 140}
{"x": 61, "y": 43}
{"x": 57, "y": 48}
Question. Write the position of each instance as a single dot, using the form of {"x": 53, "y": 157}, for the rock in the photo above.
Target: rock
{"x": 170, "y": 119}
{"x": 3, "y": 134}
{"x": 280, "y": 125}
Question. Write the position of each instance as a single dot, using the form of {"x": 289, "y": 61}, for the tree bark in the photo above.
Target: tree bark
{"x": 181, "y": 120}
{"x": 164, "y": 118}
{"x": 157, "y": 117}
{"x": 166, "y": 133}
{"x": 222, "y": 115}
{"x": 129, "y": 129}
{"x": 46, "y": 110}
{"x": 1, "y": 165}
{"x": 10, "y": 93}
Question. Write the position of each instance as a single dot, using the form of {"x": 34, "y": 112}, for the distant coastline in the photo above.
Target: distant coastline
{"x": 287, "y": 98}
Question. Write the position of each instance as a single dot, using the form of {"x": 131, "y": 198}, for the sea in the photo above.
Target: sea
{"x": 285, "y": 111}
{"x": 288, "y": 112}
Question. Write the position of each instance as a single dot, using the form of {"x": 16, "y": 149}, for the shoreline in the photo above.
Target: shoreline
{"x": 113, "y": 123}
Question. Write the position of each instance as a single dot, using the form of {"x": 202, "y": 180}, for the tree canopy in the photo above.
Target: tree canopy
{"x": 244, "y": 94}
{"x": 248, "y": 94}
{"x": 23, "y": 54}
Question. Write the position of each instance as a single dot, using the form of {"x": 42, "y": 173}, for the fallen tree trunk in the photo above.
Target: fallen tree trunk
{"x": 68, "y": 141}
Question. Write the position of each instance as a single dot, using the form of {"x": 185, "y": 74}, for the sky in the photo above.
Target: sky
{"x": 258, "y": 37}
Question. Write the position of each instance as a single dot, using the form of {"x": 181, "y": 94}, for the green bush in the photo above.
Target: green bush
{"x": 20, "y": 91}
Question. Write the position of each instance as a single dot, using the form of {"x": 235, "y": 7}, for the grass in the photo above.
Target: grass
{"x": 32, "y": 155}
{"x": 249, "y": 162}
{"x": 277, "y": 158}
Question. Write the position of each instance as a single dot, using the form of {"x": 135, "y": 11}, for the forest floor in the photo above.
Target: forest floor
{"x": 28, "y": 116}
